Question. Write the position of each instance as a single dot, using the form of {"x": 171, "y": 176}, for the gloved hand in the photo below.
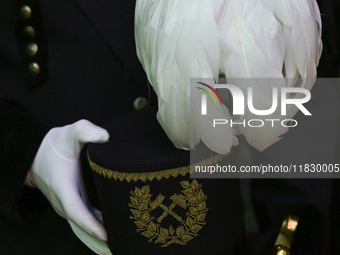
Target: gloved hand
{"x": 56, "y": 172}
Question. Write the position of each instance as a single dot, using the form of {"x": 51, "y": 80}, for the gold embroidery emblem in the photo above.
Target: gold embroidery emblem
{"x": 192, "y": 200}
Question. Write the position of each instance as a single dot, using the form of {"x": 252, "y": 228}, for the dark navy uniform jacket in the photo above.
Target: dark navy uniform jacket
{"x": 88, "y": 69}
{"x": 60, "y": 61}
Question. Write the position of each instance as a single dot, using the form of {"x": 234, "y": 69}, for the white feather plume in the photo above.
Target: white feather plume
{"x": 182, "y": 39}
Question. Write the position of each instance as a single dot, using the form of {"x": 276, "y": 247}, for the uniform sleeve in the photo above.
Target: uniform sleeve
{"x": 20, "y": 138}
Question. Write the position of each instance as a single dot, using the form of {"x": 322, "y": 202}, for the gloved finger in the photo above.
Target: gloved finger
{"x": 78, "y": 213}
{"x": 96, "y": 245}
{"x": 86, "y": 132}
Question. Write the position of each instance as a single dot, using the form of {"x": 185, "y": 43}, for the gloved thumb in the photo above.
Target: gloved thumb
{"x": 86, "y": 132}
{"x": 75, "y": 136}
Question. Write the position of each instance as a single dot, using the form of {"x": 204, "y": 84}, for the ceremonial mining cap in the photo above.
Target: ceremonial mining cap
{"x": 149, "y": 203}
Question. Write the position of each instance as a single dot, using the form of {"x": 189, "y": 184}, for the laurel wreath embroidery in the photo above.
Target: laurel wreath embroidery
{"x": 193, "y": 199}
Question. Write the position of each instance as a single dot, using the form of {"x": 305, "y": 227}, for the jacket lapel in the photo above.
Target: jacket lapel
{"x": 114, "y": 20}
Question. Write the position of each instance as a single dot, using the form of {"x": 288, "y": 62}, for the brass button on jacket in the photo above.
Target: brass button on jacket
{"x": 32, "y": 49}
{"x": 25, "y": 12}
{"x": 29, "y": 31}
{"x": 140, "y": 103}
{"x": 33, "y": 68}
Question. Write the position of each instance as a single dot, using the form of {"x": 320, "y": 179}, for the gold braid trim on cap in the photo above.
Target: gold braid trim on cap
{"x": 150, "y": 176}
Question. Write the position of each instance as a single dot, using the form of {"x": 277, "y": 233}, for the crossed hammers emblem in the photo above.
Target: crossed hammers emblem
{"x": 177, "y": 200}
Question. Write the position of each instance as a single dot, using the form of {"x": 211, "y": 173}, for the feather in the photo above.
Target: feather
{"x": 302, "y": 28}
{"x": 253, "y": 48}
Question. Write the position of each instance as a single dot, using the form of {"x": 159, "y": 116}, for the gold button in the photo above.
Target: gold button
{"x": 140, "y": 103}
{"x": 25, "y": 12}
{"x": 33, "y": 68}
{"x": 29, "y": 31}
{"x": 32, "y": 49}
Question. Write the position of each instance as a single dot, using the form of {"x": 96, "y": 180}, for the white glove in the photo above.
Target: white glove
{"x": 56, "y": 172}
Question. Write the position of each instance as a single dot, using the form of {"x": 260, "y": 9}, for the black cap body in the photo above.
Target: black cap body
{"x": 149, "y": 203}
